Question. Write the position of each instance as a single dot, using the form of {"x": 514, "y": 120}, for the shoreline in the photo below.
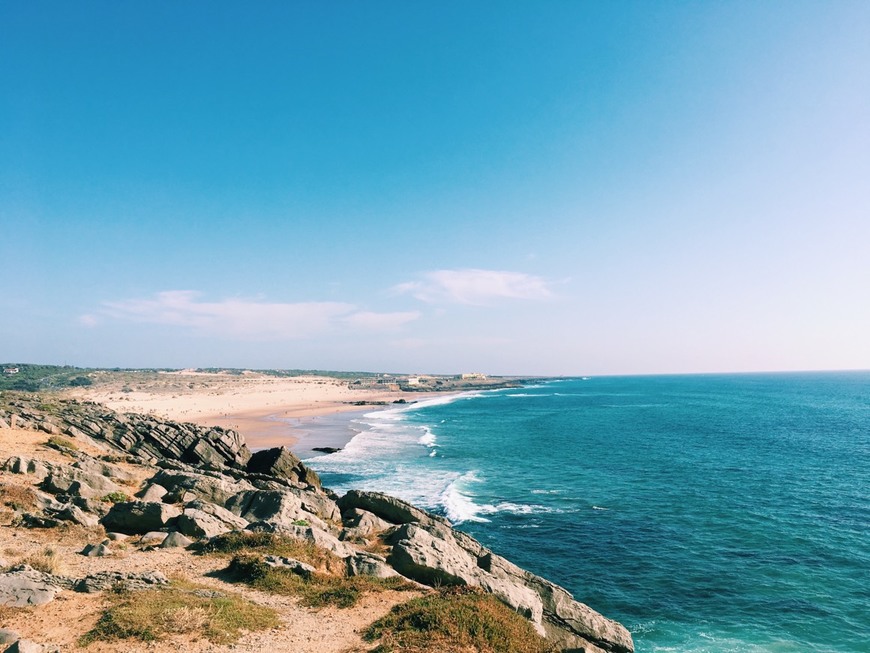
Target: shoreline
{"x": 296, "y": 412}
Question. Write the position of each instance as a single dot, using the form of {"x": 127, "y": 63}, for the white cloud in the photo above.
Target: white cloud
{"x": 89, "y": 320}
{"x": 473, "y": 286}
{"x": 245, "y": 318}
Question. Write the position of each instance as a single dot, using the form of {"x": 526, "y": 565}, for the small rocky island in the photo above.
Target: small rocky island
{"x": 130, "y": 480}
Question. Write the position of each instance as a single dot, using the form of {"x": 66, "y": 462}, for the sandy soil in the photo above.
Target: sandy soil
{"x": 254, "y": 404}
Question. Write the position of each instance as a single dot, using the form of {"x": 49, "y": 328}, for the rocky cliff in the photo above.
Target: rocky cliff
{"x": 203, "y": 482}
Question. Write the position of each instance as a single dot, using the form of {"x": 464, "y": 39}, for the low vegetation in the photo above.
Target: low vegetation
{"x": 454, "y": 620}
{"x": 246, "y": 542}
{"x": 316, "y": 590}
{"x": 17, "y": 497}
{"x": 47, "y": 561}
{"x": 61, "y": 443}
{"x": 115, "y": 497}
{"x": 156, "y": 614}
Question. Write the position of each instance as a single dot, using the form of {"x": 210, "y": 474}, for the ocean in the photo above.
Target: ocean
{"x": 708, "y": 513}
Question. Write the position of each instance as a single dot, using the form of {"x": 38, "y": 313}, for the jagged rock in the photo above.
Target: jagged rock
{"x": 436, "y": 554}
{"x": 205, "y": 520}
{"x": 282, "y": 508}
{"x": 297, "y": 567}
{"x": 152, "y": 492}
{"x": 77, "y": 516}
{"x": 386, "y": 507}
{"x": 24, "y": 465}
{"x": 94, "y": 466}
{"x": 363, "y": 563}
{"x": 105, "y": 580}
{"x": 281, "y": 463}
{"x": 213, "y": 489}
{"x": 313, "y": 534}
{"x": 97, "y": 550}
{"x": 135, "y": 517}
{"x": 362, "y": 523}
{"x": 73, "y": 481}
{"x": 175, "y": 540}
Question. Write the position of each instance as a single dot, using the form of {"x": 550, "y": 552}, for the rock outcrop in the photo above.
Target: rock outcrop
{"x": 202, "y": 483}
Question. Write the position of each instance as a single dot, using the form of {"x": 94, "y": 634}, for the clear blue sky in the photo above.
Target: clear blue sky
{"x": 505, "y": 187}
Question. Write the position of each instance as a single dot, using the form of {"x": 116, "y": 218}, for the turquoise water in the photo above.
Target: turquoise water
{"x": 706, "y": 513}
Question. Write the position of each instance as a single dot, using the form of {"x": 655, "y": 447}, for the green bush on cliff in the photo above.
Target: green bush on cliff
{"x": 455, "y": 620}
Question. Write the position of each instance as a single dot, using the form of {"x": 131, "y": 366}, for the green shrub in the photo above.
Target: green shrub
{"x": 455, "y": 620}
{"x": 151, "y": 615}
{"x": 115, "y": 497}
{"x": 57, "y": 442}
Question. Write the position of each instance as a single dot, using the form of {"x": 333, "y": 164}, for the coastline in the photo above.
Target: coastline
{"x": 296, "y": 412}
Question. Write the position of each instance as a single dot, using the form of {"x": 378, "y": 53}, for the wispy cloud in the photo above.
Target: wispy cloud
{"x": 245, "y": 318}
{"x": 474, "y": 286}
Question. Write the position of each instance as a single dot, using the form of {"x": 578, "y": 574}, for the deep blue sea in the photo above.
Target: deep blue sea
{"x": 706, "y": 513}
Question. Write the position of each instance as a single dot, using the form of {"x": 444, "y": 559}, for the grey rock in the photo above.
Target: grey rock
{"x": 135, "y": 517}
{"x": 106, "y": 580}
{"x": 152, "y": 492}
{"x": 76, "y": 515}
{"x": 97, "y": 550}
{"x": 436, "y": 554}
{"x": 291, "y": 564}
{"x": 280, "y": 507}
{"x": 388, "y": 508}
{"x": 362, "y": 523}
{"x": 281, "y": 463}
{"x": 94, "y": 466}
{"x": 216, "y": 489}
{"x": 8, "y": 636}
{"x": 175, "y": 540}
{"x": 73, "y": 481}
{"x": 117, "y": 537}
{"x": 363, "y": 563}
{"x": 24, "y": 465}
{"x": 25, "y": 587}
{"x": 153, "y": 538}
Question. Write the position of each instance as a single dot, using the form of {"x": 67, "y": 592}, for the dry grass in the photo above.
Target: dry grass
{"x": 455, "y": 620}
{"x": 47, "y": 561}
{"x": 153, "y": 615}
{"x": 62, "y": 444}
{"x": 17, "y": 497}
{"x": 316, "y": 591}
{"x": 246, "y": 542}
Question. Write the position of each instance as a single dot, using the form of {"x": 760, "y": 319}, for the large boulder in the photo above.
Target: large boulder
{"x": 386, "y": 507}
{"x": 78, "y": 482}
{"x": 184, "y": 486}
{"x": 138, "y": 517}
{"x": 281, "y": 463}
{"x": 279, "y": 507}
{"x": 435, "y": 554}
{"x": 205, "y": 520}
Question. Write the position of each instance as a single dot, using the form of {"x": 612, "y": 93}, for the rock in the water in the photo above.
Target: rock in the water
{"x": 135, "y": 517}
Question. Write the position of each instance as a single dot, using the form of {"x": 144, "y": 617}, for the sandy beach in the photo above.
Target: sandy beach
{"x": 269, "y": 411}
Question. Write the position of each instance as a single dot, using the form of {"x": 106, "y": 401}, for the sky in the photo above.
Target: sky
{"x": 529, "y": 188}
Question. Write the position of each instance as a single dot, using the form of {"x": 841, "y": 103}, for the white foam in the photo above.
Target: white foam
{"x": 428, "y": 438}
{"x": 458, "y": 505}
{"x": 599, "y": 508}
